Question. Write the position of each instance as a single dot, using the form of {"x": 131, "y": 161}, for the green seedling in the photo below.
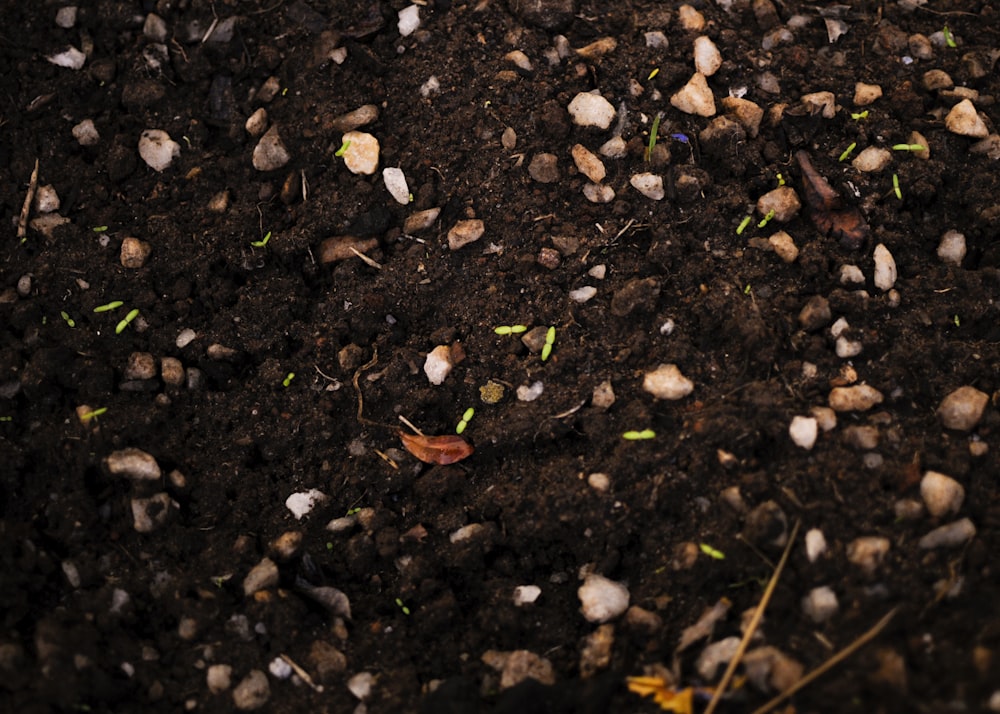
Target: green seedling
{"x": 262, "y": 242}
{"x": 402, "y": 606}
{"x": 343, "y": 149}
{"x": 69, "y": 320}
{"x": 958, "y": 323}
{"x": 99, "y": 229}
{"x": 132, "y": 314}
{"x": 466, "y": 417}
{"x": 848, "y": 150}
{"x": 743, "y": 225}
{"x": 746, "y": 290}
{"x": 908, "y": 147}
{"x": 352, "y": 511}
{"x": 550, "y": 339}
{"x": 895, "y": 187}
{"x": 108, "y": 307}
{"x": 652, "y": 136}
{"x": 711, "y": 552}
{"x": 288, "y": 379}
{"x": 6, "y": 418}
{"x": 948, "y": 39}
{"x": 653, "y": 74}
{"x": 781, "y": 180}
{"x": 766, "y": 219}
{"x": 87, "y": 416}
{"x": 639, "y": 435}
{"x": 510, "y": 329}
{"x": 859, "y": 115}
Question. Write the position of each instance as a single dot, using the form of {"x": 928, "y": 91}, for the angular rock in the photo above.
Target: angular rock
{"x": 438, "y": 364}
{"x": 150, "y": 514}
{"x": 157, "y": 149}
{"x": 951, "y": 250}
{"x": 589, "y": 109}
{"x": 465, "y": 232}
{"x": 964, "y": 120}
{"x": 695, "y": 97}
{"x": 270, "y": 152}
{"x": 602, "y": 599}
{"x": 783, "y": 201}
{"x": 667, "y": 382}
{"x": 133, "y": 463}
{"x": 868, "y": 552}
{"x": 942, "y": 494}
{"x": 649, "y": 185}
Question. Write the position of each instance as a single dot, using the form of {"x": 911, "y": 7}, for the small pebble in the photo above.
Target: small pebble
{"x": 950, "y": 535}
{"x": 784, "y": 246}
{"x": 690, "y": 19}
{"x": 747, "y": 113}
{"x": 858, "y": 398}
{"x": 149, "y": 514}
{"x": 395, "y": 183}
{"x": 66, "y": 16}
{"x": 707, "y": 58}
{"x": 951, "y": 250}
{"x": 962, "y": 409}
{"x": 252, "y": 692}
{"x": 134, "y": 253}
{"x": 815, "y": 544}
{"x": 465, "y": 232}
{"x": 544, "y": 168}
{"x": 409, "y": 20}
{"x": 530, "y": 394}
{"x": 602, "y": 599}
{"x": 287, "y": 545}
{"x": 140, "y": 365}
{"x": 304, "y": 501}
{"x": 695, "y": 97}
{"x": 783, "y": 201}
{"x": 868, "y": 552}
{"x": 942, "y": 494}
{"x": 820, "y": 604}
{"x": 803, "y": 431}
{"x": 815, "y": 314}
{"x": 133, "y": 463}
{"x": 279, "y": 668}
{"x": 614, "y": 148}
{"x": 24, "y": 286}
{"x": 822, "y": 103}
{"x": 851, "y": 275}
{"x": 667, "y": 382}
{"x": 262, "y": 576}
{"x": 185, "y": 337}
{"x": 582, "y": 295}
{"x": 599, "y": 482}
{"x": 598, "y": 193}
{"x": 157, "y": 149}
{"x": 936, "y": 79}
{"x": 438, "y": 364}
{"x": 964, "y": 120}
{"x": 352, "y": 120}
{"x": 361, "y": 155}
{"x": 256, "y": 125}
{"x": 589, "y": 109}
{"x": 716, "y": 654}
{"x": 603, "y": 396}
{"x": 86, "y": 133}
{"x": 872, "y": 159}
{"x": 219, "y": 678}
{"x": 649, "y": 185}
{"x": 71, "y": 58}
{"x": 908, "y": 509}
{"x": 825, "y": 417}
{"x": 588, "y": 164}
{"x": 526, "y": 594}
{"x": 865, "y": 94}
{"x": 270, "y": 152}
{"x": 360, "y": 685}
{"x": 46, "y": 199}
{"x": 421, "y": 220}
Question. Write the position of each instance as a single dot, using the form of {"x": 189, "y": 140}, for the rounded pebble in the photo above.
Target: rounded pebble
{"x": 820, "y": 604}
{"x": 149, "y": 514}
{"x": 963, "y": 408}
{"x": 858, "y": 398}
{"x": 951, "y": 249}
{"x": 815, "y": 544}
{"x": 868, "y": 552}
{"x": 803, "y": 431}
{"x": 253, "y": 692}
{"x": 395, "y": 183}
{"x": 872, "y": 159}
{"x": 219, "y": 678}
{"x": 262, "y": 576}
{"x": 361, "y": 155}
{"x": 602, "y": 599}
{"x": 589, "y": 109}
{"x": 885, "y": 268}
{"x": 707, "y": 58}
{"x": 942, "y": 494}
{"x": 783, "y": 201}
{"x": 950, "y": 535}
{"x": 157, "y": 149}
{"x": 134, "y": 253}
{"x": 588, "y": 164}
{"x": 133, "y": 463}
{"x": 667, "y": 382}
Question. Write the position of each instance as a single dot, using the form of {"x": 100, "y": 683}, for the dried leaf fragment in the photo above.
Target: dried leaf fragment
{"x": 441, "y": 450}
{"x": 827, "y": 208}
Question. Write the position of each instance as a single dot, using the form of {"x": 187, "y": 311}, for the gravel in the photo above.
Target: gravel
{"x": 602, "y": 599}
{"x": 962, "y": 409}
{"x": 667, "y": 382}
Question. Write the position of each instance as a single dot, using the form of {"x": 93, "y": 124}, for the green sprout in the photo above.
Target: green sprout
{"x": 847, "y": 151}
{"x": 958, "y": 323}
{"x": 132, "y": 314}
{"x": 510, "y": 329}
{"x": 746, "y": 290}
{"x": 93, "y": 414}
{"x": 329, "y": 546}
{"x": 711, "y": 552}
{"x": 653, "y": 74}
{"x": 550, "y": 339}
{"x": 466, "y": 417}
{"x": 895, "y": 187}
{"x": 261, "y": 243}
{"x": 859, "y": 115}
{"x": 343, "y": 149}
{"x": 108, "y": 307}
{"x": 766, "y": 219}
{"x": 908, "y": 147}
{"x": 6, "y": 418}
{"x": 781, "y": 180}
{"x": 652, "y": 136}
{"x": 352, "y": 511}
{"x": 402, "y": 606}
{"x": 639, "y": 435}
{"x": 99, "y": 229}
{"x": 69, "y": 320}
{"x": 288, "y": 379}
{"x": 948, "y": 39}
{"x": 743, "y": 225}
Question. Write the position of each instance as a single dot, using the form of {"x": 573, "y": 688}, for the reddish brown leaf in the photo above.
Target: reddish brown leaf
{"x": 442, "y": 450}
{"x": 827, "y": 208}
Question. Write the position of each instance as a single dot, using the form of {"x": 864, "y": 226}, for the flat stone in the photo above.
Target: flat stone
{"x": 544, "y": 168}
{"x": 885, "y": 268}
{"x": 963, "y": 408}
{"x": 747, "y": 113}
{"x": 395, "y": 182}
{"x": 951, "y": 535}
{"x": 133, "y": 463}
{"x": 872, "y": 159}
{"x": 964, "y": 120}
{"x": 465, "y": 232}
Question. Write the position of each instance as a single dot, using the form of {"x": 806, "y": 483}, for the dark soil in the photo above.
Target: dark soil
{"x": 425, "y": 609}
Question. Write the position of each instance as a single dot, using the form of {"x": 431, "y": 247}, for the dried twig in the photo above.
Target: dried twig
{"x": 303, "y": 675}
{"x": 365, "y": 258}
{"x": 754, "y": 623}
{"x": 22, "y": 221}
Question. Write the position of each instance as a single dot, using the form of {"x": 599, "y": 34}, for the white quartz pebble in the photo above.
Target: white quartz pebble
{"x": 602, "y": 599}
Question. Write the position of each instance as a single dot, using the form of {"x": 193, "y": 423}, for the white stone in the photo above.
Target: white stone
{"x": 157, "y": 149}
{"x": 409, "y": 20}
{"x": 942, "y": 494}
{"x": 395, "y": 183}
{"x": 526, "y": 594}
{"x": 847, "y": 348}
{"x": 690, "y": 19}
{"x": 951, "y": 249}
{"x": 783, "y": 201}
{"x": 667, "y": 382}
{"x": 270, "y": 152}
{"x": 707, "y": 58}
{"x": 588, "y": 109}
{"x": 465, "y": 232}
{"x": 253, "y": 692}
{"x": 279, "y": 668}
{"x": 649, "y": 185}
{"x": 46, "y": 199}
{"x": 963, "y": 408}
{"x": 583, "y": 294}
{"x": 598, "y": 193}
{"x": 361, "y": 155}
{"x": 803, "y": 431}
{"x": 438, "y": 364}
{"x": 872, "y": 159}
{"x": 815, "y": 544}
{"x": 185, "y": 337}
{"x": 360, "y": 685}
{"x": 219, "y": 678}
{"x": 820, "y": 604}
{"x": 304, "y": 501}
{"x": 602, "y": 599}
{"x": 527, "y": 393}
{"x": 964, "y": 120}
{"x": 784, "y": 246}
{"x": 825, "y": 417}
{"x": 950, "y": 535}
{"x": 86, "y": 133}
{"x": 695, "y": 97}
{"x": 868, "y": 552}
{"x": 71, "y": 58}
{"x": 520, "y": 60}
{"x": 598, "y": 271}
{"x": 614, "y": 148}
{"x": 715, "y": 654}
{"x": 588, "y": 164}
{"x": 858, "y": 398}
{"x": 66, "y": 16}
{"x": 851, "y": 274}
{"x": 262, "y": 576}
{"x": 256, "y": 124}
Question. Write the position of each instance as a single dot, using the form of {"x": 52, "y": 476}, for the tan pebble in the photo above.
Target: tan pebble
{"x": 963, "y": 408}
{"x": 338, "y": 248}
{"x": 857, "y": 398}
{"x": 465, "y": 232}
{"x": 667, "y": 382}
{"x": 866, "y": 94}
{"x": 140, "y": 365}
{"x": 695, "y": 97}
{"x": 134, "y": 252}
{"x": 588, "y": 164}
{"x": 942, "y": 494}
{"x": 783, "y": 201}
{"x": 868, "y": 552}
{"x": 964, "y": 120}
{"x": 362, "y": 153}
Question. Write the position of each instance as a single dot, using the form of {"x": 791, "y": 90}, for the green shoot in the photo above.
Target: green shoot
{"x": 343, "y": 149}
{"x": 743, "y": 225}
{"x": 781, "y": 180}
{"x": 766, "y": 219}
{"x": 6, "y": 418}
{"x": 653, "y": 74}
{"x": 711, "y": 552}
{"x": 958, "y": 323}
{"x": 113, "y": 305}
{"x": 859, "y": 115}
{"x": 402, "y": 606}
{"x": 352, "y": 511}
{"x": 288, "y": 379}
{"x": 550, "y": 339}
{"x": 132, "y": 314}
{"x": 746, "y": 290}
{"x": 639, "y": 435}
{"x": 99, "y": 229}
{"x": 908, "y": 147}
{"x": 87, "y": 416}
{"x": 652, "y": 136}
{"x": 948, "y": 39}
{"x": 510, "y": 329}
{"x": 848, "y": 150}
{"x": 895, "y": 187}
{"x": 466, "y": 417}
{"x": 329, "y": 546}
{"x": 69, "y": 320}
{"x": 261, "y": 243}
